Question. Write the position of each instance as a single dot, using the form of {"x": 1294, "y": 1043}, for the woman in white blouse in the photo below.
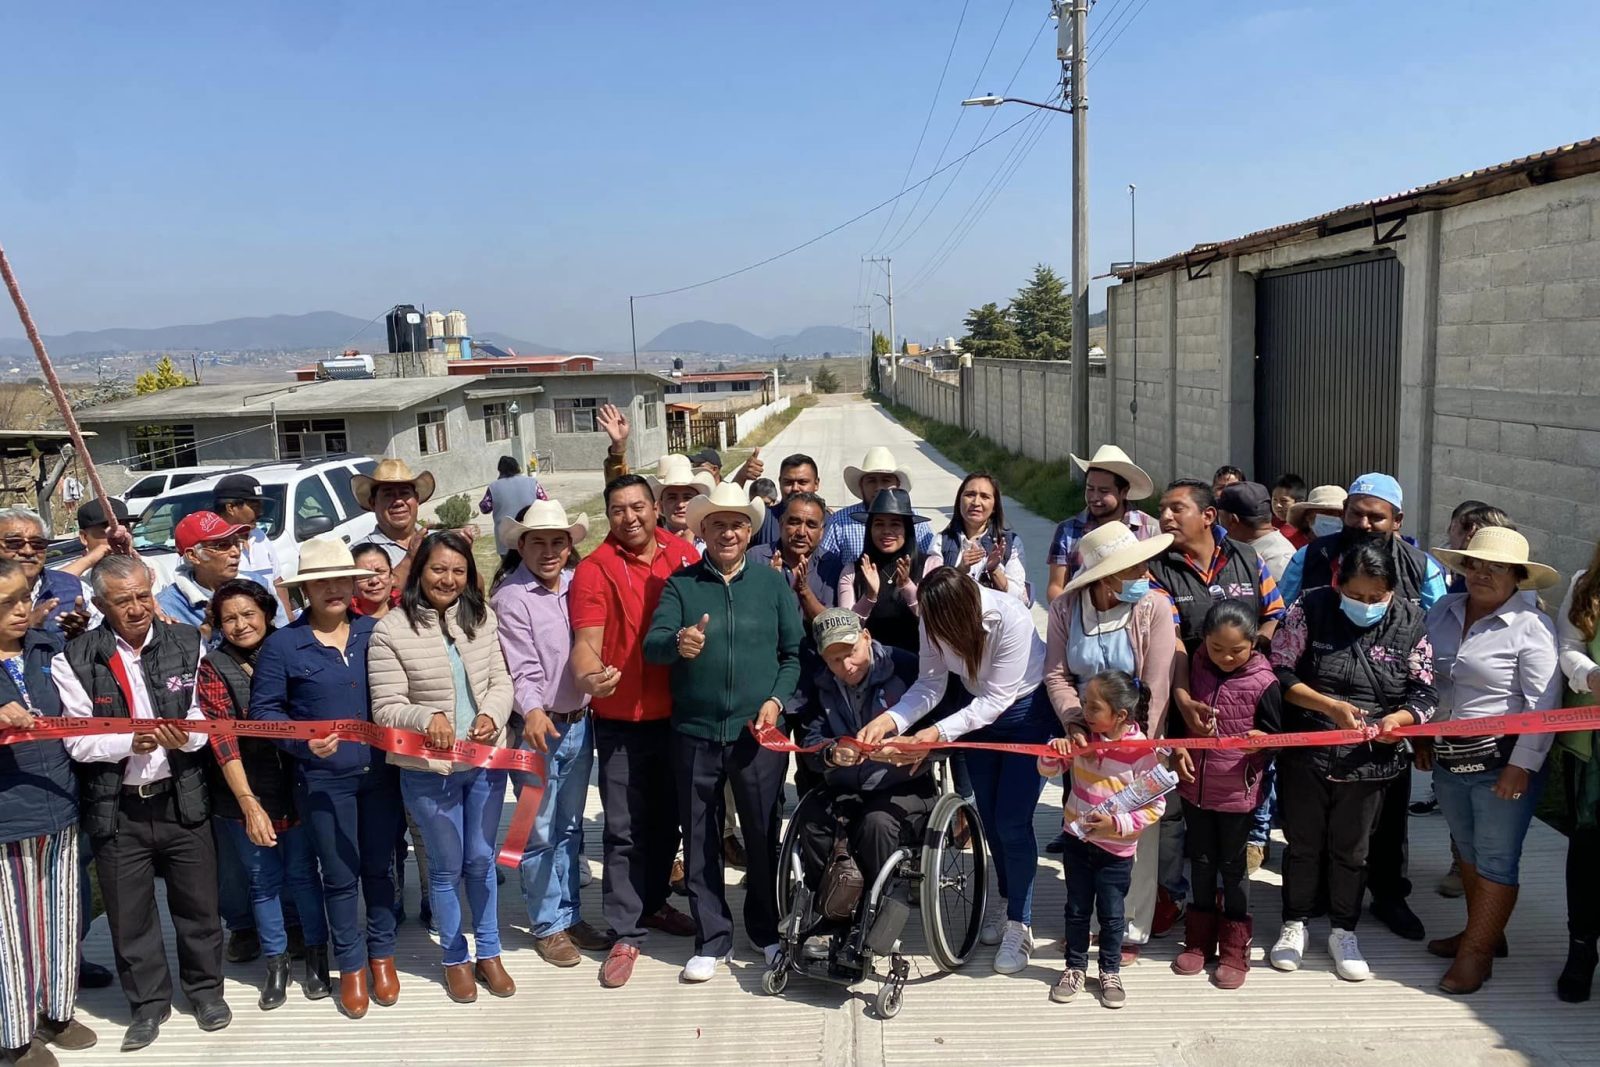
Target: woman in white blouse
{"x": 980, "y": 543}
{"x": 988, "y": 640}
{"x": 1578, "y": 631}
{"x": 1494, "y": 655}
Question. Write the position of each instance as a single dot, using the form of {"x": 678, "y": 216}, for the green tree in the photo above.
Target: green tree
{"x": 1042, "y": 312}
{"x": 990, "y": 334}
{"x": 454, "y": 513}
{"x": 164, "y": 376}
{"x": 826, "y": 381}
{"x": 880, "y": 344}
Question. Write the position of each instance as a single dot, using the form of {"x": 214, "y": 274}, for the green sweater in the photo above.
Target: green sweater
{"x": 751, "y": 654}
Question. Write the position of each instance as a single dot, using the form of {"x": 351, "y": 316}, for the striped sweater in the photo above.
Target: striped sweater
{"x": 1099, "y": 776}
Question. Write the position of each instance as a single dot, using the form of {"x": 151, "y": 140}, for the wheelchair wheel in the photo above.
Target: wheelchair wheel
{"x": 789, "y": 852}
{"x": 955, "y": 882}
{"x": 890, "y": 998}
{"x": 773, "y": 981}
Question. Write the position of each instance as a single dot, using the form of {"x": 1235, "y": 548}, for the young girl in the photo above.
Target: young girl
{"x": 1099, "y": 866}
{"x": 1237, "y": 683}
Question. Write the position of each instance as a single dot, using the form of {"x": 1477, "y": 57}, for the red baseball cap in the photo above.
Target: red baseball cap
{"x": 203, "y": 526}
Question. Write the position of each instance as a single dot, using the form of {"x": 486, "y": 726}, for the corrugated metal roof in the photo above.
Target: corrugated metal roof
{"x": 1553, "y": 164}
{"x": 257, "y": 398}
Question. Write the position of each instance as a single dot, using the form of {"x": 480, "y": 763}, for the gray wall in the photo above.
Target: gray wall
{"x": 587, "y": 451}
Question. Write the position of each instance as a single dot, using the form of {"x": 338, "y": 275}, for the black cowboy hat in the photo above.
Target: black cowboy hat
{"x": 895, "y": 502}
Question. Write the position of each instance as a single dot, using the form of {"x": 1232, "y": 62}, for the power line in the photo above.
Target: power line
{"x": 1107, "y": 46}
{"x": 1107, "y": 24}
{"x": 835, "y": 229}
{"x": 912, "y": 162}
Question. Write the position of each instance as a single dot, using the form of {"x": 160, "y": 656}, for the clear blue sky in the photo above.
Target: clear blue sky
{"x": 533, "y": 163}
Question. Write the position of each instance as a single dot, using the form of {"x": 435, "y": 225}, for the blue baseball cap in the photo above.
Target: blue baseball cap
{"x": 1382, "y": 486}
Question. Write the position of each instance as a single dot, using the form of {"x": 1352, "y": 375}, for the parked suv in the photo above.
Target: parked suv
{"x": 301, "y": 501}
{"x": 152, "y": 485}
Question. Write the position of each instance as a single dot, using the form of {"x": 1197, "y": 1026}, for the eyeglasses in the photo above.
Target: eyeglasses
{"x": 225, "y": 545}
{"x": 1498, "y": 570}
{"x": 17, "y": 544}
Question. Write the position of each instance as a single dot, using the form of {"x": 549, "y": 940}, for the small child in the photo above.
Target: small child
{"x": 1237, "y": 683}
{"x": 1099, "y": 866}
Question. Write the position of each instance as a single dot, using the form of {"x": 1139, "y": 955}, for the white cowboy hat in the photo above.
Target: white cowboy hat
{"x": 390, "y": 472}
{"x": 1113, "y": 459}
{"x": 1322, "y": 498}
{"x": 676, "y": 470}
{"x": 1500, "y": 544}
{"x": 1113, "y": 547}
{"x": 326, "y": 557}
{"x": 725, "y": 497}
{"x": 542, "y": 515}
{"x": 878, "y": 460}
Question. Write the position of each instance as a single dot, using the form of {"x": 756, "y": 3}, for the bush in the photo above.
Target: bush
{"x": 454, "y": 513}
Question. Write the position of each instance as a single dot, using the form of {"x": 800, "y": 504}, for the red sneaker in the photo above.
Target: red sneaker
{"x": 1130, "y": 954}
{"x": 618, "y": 967}
{"x": 1169, "y": 913}
{"x": 669, "y": 920}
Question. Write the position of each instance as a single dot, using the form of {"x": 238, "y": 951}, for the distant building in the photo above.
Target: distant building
{"x": 506, "y": 364}
{"x": 723, "y": 385}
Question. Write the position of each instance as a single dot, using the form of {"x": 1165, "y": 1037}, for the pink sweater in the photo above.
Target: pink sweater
{"x": 1099, "y": 776}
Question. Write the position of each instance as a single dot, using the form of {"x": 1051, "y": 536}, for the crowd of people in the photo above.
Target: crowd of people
{"x": 1231, "y": 609}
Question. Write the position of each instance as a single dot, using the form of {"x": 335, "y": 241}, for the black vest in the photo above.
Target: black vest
{"x": 1322, "y": 556}
{"x": 168, "y": 661}
{"x": 1339, "y": 662}
{"x": 269, "y": 769}
{"x": 892, "y": 621}
{"x": 1238, "y": 580}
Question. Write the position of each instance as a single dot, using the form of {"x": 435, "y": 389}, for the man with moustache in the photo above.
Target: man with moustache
{"x": 804, "y": 516}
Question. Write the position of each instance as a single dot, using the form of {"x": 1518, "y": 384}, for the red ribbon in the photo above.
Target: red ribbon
{"x": 383, "y": 738}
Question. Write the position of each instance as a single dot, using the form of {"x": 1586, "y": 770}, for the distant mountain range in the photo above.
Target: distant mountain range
{"x": 269, "y": 333}
{"x": 725, "y": 339}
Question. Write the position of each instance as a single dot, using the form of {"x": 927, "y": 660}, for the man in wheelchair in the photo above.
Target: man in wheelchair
{"x": 875, "y": 807}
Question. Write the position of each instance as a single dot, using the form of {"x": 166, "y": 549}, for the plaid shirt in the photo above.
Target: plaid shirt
{"x": 1064, "y": 546}
{"x": 216, "y": 703}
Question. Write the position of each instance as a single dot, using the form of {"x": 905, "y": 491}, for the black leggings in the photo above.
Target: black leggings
{"x": 1214, "y": 842}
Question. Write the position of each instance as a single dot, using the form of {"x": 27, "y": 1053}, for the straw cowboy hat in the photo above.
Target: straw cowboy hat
{"x": 676, "y": 470}
{"x": 325, "y": 557}
{"x": 1322, "y": 498}
{"x": 542, "y": 515}
{"x": 725, "y": 497}
{"x": 1113, "y": 459}
{"x": 878, "y": 460}
{"x": 1499, "y": 544}
{"x": 1112, "y": 547}
{"x": 390, "y": 472}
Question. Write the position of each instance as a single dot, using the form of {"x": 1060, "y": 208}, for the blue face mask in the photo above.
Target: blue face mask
{"x": 1134, "y": 591}
{"x": 1363, "y": 615}
{"x": 1326, "y": 525}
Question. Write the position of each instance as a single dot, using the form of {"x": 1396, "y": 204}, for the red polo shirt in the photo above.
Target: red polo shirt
{"x": 614, "y": 589}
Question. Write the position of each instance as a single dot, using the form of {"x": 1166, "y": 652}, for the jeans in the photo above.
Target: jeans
{"x": 459, "y": 815}
{"x": 233, "y": 880}
{"x": 1171, "y": 855}
{"x": 1488, "y": 832}
{"x": 1006, "y": 789}
{"x": 1097, "y": 882}
{"x": 1216, "y": 842}
{"x": 551, "y": 861}
{"x": 352, "y": 820}
{"x": 1267, "y": 809}
{"x": 269, "y": 870}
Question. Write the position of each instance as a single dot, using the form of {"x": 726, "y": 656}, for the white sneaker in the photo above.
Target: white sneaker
{"x": 1290, "y": 947}
{"x": 1348, "y": 962}
{"x": 994, "y": 922}
{"x": 1016, "y": 948}
{"x": 702, "y": 968}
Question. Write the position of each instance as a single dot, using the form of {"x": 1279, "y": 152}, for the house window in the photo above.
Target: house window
{"x": 652, "y": 411}
{"x": 706, "y": 387}
{"x": 576, "y": 414}
{"x": 309, "y": 438}
{"x": 508, "y": 370}
{"x": 741, "y": 387}
{"x": 497, "y": 421}
{"x": 674, "y": 388}
{"x": 159, "y": 448}
{"x": 430, "y": 432}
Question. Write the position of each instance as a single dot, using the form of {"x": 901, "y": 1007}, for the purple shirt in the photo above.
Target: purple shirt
{"x": 536, "y": 637}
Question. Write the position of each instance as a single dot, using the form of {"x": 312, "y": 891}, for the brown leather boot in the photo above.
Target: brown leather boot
{"x": 494, "y": 977}
{"x": 1447, "y": 947}
{"x": 353, "y": 1000}
{"x": 459, "y": 984}
{"x": 385, "y": 983}
{"x": 1486, "y": 924}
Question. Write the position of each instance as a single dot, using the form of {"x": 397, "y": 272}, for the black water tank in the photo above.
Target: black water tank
{"x": 407, "y": 330}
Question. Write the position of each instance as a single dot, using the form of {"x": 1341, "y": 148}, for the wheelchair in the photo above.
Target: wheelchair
{"x": 946, "y": 873}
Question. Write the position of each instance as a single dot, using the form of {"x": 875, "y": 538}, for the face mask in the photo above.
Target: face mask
{"x": 1133, "y": 591}
{"x": 1363, "y": 615}
{"x": 1326, "y": 525}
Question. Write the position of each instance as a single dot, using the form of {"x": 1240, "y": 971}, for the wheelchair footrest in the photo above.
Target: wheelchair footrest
{"x": 888, "y": 925}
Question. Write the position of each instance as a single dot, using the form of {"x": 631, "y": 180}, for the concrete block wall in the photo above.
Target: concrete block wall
{"x": 1517, "y": 386}
{"x": 1197, "y": 331}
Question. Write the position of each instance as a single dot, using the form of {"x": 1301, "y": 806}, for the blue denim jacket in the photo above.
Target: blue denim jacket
{"x": 299, "y": 678}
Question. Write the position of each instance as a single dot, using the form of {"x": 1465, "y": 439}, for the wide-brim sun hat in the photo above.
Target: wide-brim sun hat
{"x": 1322, "y": 498}
{"x": 726, "y": 497}
{"x": 878, "y": 460}
{"x": 676, "y": 470}
{"x": 1499, "y": 544}
{"x": 894, "y": 502}
{"x": 542, "y": 515}
{"x": 1113, "y": 547}
{"x": 326, "y": 557}
{"x": 391, "y": 472}
{"x": 1113, "y": 459}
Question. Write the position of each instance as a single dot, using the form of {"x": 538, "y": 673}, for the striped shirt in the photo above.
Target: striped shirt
{"x": 1099, "y": 776}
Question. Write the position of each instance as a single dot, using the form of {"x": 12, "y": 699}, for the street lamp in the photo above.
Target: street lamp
{"x": 514, "y": 409}
{"x": 996, "y": 101}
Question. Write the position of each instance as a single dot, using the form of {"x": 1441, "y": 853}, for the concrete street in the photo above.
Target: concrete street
{"x": 564, "y": 1017}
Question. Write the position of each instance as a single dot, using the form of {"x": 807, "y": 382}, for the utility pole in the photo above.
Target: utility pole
{"x": 1071, "y": 21}
{"x": 894, "y": 344}
{"x": 1133, "y": 240}
{"x": 866, "y": 378}
{"x": 633, "y": 331}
